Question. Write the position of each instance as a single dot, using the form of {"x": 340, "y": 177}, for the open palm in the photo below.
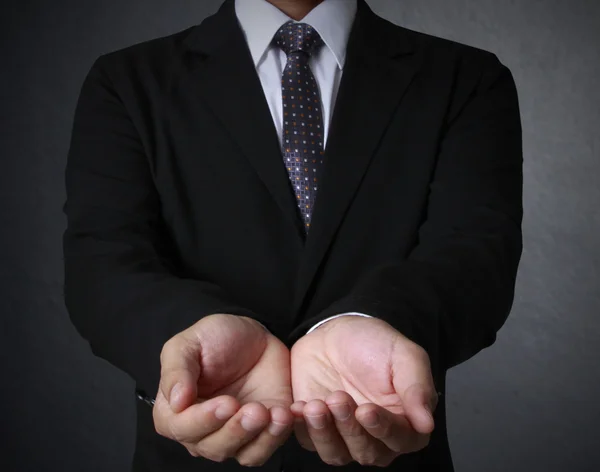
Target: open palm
{"x": 354, "y": 357}
{"x": 225, "y": 390}
{"x": 374, "y": 371}
{"x": 241, "y": 359}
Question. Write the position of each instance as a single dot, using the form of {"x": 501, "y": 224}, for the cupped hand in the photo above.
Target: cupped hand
{"x": 225, "y": 390}
{"x": 362, "y": 392}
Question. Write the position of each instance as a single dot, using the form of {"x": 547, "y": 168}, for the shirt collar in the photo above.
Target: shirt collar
{"x": 332, "y": 19}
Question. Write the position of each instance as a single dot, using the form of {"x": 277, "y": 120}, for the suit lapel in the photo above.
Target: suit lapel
{"x": 380, "y": 66}
{"x": 223, "y": 76}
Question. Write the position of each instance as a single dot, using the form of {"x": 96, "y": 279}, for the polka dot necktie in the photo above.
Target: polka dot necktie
{"x": 302, "y": 144}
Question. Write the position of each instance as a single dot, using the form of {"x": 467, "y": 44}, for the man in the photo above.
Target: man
{"x": 295, "y": 216}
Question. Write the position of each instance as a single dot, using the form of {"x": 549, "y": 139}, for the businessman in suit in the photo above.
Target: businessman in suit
{"x": 286, "y": 224}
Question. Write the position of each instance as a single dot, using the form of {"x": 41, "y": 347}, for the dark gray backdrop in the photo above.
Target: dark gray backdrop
{"x": 529, "y": 403}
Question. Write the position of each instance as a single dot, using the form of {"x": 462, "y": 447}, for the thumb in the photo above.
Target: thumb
{"x": 417, "y": 402}
{"x": 180, "y": 370}
{"x": 413, "y": 382}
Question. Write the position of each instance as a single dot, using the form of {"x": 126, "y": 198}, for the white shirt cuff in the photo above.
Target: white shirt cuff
{"x": 337, "y": 316}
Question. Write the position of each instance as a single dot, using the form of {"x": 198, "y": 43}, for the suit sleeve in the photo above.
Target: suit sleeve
{"x": 455, "y": 289}
{"x": 122, "y": 290}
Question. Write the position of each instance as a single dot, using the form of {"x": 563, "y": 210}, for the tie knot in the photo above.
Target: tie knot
{"x": 292, "y": 37}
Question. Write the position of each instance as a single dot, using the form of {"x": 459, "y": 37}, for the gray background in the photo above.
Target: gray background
{"x": 529, "y": 403}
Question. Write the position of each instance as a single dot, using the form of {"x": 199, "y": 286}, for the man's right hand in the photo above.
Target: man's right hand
{"x": 233, "y": 390}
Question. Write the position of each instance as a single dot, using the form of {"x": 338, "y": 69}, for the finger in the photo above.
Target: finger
{"x": 324, "y": 434}
{"x": 197, "y": 421}
{"x": 261, "y": 448}
{"x": 180, "y": 370}
{"x": 239, "y": 430}
{"x": 392, "y": 429}
{"x": 297, "y": 408}
{"x": 300, "y": 427}
{"x": 362, "y": 446}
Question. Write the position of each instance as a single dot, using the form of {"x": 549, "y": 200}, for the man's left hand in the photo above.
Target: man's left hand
{"x": 362, "y": 392}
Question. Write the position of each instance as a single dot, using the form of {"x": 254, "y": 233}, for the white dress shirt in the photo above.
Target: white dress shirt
{"x": 332, "y": 19}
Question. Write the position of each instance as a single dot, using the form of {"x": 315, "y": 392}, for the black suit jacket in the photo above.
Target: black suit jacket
{"x": 179, "y": 206}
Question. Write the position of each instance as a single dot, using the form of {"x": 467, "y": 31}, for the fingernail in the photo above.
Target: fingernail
{"x": 317, "y": 421}
{"x": 175, "y": 396}
{"x": 249, "y": 423}
{"x": 340, "y": 411}
{"x": 275, "y": 429}
{"x": 223, "y": 411}
{"x": 371, "y": 420}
